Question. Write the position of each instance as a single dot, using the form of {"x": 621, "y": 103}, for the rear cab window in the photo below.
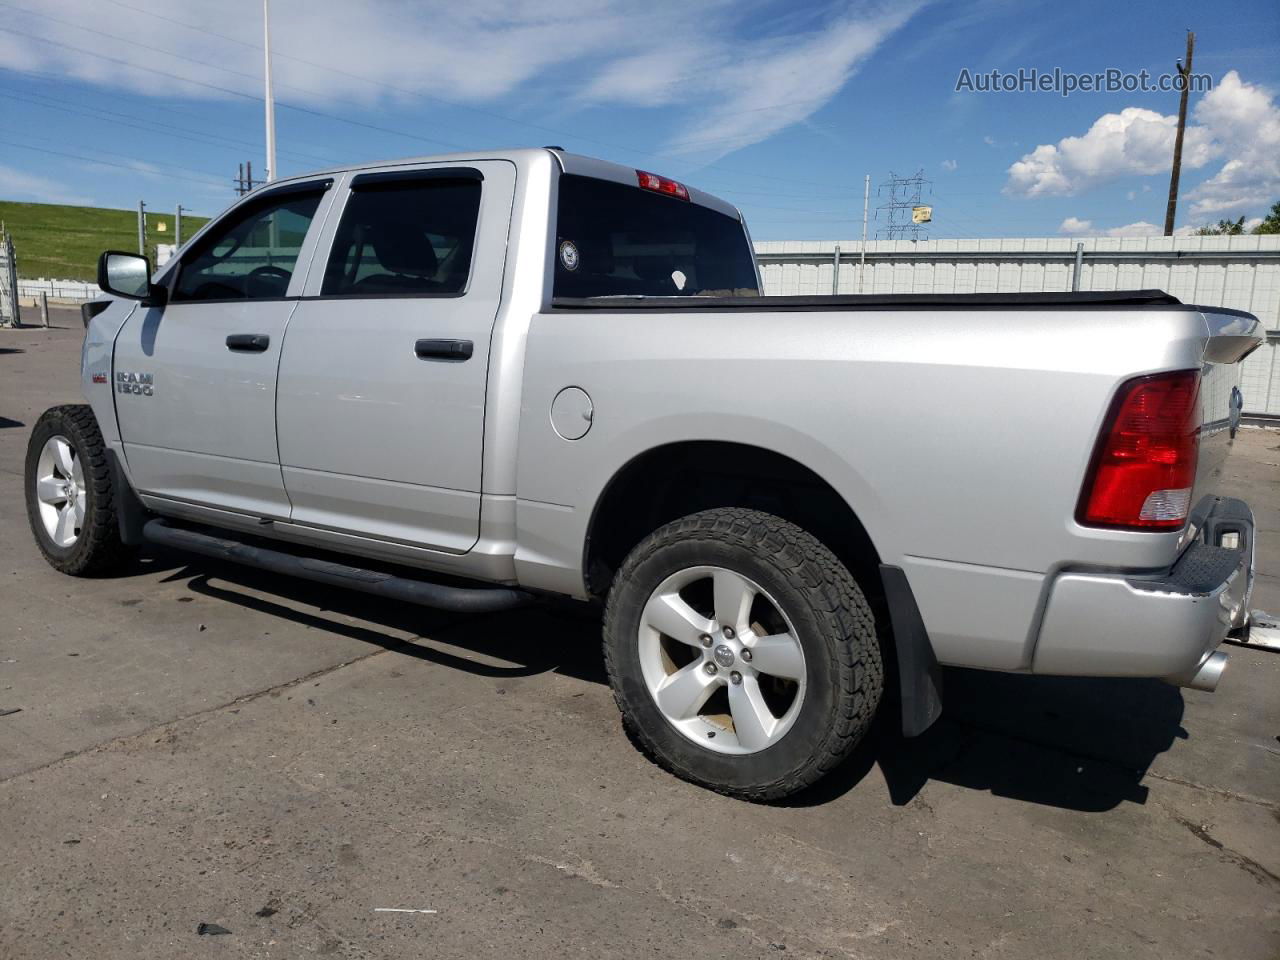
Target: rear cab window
{"x": 618, "y": 240}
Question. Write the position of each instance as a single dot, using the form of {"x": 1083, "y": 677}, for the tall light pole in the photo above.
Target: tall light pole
{"x": 270, "y": 97}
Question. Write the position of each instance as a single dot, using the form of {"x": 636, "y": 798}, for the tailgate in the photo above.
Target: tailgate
{"x": 1230, "y": 337}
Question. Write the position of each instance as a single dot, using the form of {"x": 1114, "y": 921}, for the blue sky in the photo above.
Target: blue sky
{"x": 779, "y": 107}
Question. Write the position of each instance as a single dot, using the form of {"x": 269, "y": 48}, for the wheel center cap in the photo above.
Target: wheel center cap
{"x": 724, "y": 655}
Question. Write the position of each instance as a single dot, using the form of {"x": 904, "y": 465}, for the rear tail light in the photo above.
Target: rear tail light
{"x": 651, "y": 181}
{"x": 1145, "y": 463}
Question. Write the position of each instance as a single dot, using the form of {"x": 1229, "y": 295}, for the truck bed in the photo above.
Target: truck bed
{"x": 1127, "y": 299}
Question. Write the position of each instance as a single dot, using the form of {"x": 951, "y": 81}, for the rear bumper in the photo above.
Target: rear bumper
{"x": 1165, "y": 626}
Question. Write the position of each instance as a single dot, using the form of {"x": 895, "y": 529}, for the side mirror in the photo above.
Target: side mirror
{"x": 128, "y": 275}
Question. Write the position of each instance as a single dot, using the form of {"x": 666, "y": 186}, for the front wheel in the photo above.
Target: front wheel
{"x": 70, "y": 501}
{"x": 742, "y": 653}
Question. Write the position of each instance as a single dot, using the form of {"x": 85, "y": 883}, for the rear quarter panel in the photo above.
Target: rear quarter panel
{"x": 959, "y": 438}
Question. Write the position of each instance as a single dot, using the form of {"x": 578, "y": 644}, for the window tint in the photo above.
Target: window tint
{"x": 405, "y": 237}
{"x": 614, "y": 239}
{"x": 251, "y": 255}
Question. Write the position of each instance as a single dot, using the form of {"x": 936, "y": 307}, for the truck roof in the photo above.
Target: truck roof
{"x": 571, "y": 163}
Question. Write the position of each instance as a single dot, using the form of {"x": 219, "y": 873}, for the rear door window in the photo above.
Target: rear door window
{"x": 614, "y": 239}
{"x": 405, "y": 237}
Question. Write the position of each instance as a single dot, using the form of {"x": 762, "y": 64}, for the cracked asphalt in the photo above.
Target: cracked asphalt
{"x": 282, "y": 762}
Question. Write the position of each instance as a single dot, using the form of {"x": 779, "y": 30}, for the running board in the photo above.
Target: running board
{"x": 376, "y": 582}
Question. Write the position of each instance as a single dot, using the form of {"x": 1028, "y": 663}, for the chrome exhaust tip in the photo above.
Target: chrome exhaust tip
{"x": 1206, "y": 676}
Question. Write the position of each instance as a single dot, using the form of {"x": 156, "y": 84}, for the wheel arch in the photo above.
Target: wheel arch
{"x": 682, "y": 477}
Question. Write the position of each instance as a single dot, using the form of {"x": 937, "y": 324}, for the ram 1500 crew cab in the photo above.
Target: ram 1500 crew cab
{"x": 542, "y": 374}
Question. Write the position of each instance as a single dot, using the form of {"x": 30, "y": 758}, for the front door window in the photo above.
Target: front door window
{"x": 251, "y": 255}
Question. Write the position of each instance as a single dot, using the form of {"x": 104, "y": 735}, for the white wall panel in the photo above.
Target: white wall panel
{"x": 1248, "y": 278}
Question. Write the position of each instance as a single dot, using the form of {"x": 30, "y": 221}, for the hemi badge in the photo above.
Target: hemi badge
{"x": 99, "y": 378}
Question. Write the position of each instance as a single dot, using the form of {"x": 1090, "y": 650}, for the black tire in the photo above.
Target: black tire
{"x": 833, "y": 622}
{"x": 97, "y": 549}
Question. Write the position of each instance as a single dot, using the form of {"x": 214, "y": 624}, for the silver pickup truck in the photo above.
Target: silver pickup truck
{"x": 542, "y": 374}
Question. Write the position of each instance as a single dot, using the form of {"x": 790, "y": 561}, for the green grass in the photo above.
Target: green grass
{"x": 63, "y": 242}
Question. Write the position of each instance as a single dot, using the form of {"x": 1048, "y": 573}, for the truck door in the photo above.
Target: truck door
{"x": 195, "y": 380}
{"x": 381, "y": 396}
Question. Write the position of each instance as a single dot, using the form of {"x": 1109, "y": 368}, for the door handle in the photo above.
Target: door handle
{"x": 453, "y": 350}
{"x": 248, "y": 342}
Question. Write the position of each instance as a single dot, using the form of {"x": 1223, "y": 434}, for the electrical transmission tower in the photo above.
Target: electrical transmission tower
{"x": 904, "y": 199}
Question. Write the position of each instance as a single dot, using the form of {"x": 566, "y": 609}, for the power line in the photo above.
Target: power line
{"x": 144, "y": 166}
{"x": 455, "y": 104}
{"x": 183, "y": 133}
{"x": 349, "y": 120}
{"x": 203, "y": 63}
{"x": 104, "y": 163}
{"x": 227, "y": 90}
{"x": 413, "y": 93}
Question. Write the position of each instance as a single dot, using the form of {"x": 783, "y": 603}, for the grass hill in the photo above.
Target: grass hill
{"x": 63, "y": 242}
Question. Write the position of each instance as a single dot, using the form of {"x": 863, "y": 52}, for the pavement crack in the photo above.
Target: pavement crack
{"x": 1201, "y": 832}
{"x": 237, "y": 701}
{"x": 1217, "y": 791}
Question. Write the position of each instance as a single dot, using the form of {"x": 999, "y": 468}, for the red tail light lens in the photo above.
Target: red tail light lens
{"x": 651, "y": 181}
{"x": 1145, "y": 463}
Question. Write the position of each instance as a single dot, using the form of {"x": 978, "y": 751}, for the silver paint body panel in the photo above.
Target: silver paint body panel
{"x": 960, "y": 438}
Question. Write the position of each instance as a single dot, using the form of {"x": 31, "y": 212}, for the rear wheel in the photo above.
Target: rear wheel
{"x": 741, "y": 652}
{"x": 70, "y": 501}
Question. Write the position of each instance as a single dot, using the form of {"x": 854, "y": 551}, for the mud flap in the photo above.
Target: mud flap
{"x": 130, "y": 513}
{"x": 919, "y": 674}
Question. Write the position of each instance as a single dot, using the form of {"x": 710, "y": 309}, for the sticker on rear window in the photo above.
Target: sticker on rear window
{"x": 569, "y": 255}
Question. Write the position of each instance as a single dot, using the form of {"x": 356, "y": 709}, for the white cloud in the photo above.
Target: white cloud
{"x": 1247, "y": 117}
{"x": 730, "y": 88}
{"x": 1236, "y": 120}
{"x": 758, "y": 88}
{"x": 1133, "y": 141}
{"x": 1075, "y": 227}
{"x": 949, "y": 165}
{"x": 989, "y": 141}
{"x": 467, "y": 51}
{"x": 17, "y": 185}
{"x": 1139, "y": 229}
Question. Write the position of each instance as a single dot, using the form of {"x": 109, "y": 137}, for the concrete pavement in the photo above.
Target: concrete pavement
{"x": 206, "y": 744}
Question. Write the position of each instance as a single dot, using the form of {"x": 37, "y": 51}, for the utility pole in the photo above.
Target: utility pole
{"x": 862, "y": 257}
{"x": 244, "y": 179}
{"x": 271, "y": 103}
{"x": 177, "y": 227}
{"x": 142, "y": 228}
{"x": 1184, "y": 74}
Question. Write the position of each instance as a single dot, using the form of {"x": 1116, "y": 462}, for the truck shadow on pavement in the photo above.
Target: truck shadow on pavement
{"x": 1076, "y": 743}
